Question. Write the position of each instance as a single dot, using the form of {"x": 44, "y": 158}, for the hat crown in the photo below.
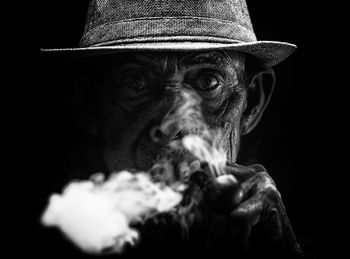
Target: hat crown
{"x": 119, "y": 21}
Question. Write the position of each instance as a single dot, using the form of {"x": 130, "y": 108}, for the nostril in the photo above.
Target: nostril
{"x": 156, "y": 134}
{"x": 179, "y": 135}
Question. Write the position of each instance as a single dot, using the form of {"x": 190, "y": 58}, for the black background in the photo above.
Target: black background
{"x": 293, "y": 140}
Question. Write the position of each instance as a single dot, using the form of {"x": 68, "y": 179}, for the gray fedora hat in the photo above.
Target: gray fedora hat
{"x": 174, "y": 25}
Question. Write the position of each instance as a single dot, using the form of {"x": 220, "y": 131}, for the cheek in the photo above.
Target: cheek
{"x": 228, "y": 110}
{"x": 126, "y": 136}
{"x": 125, "y": 110}
{"x": 224, "y": 122}
{"x": 122, "y": 127}
{"x": 129, "y": 101}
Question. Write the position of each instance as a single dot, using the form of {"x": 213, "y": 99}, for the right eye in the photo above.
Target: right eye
{"x": 136, "y": 82}
{"x": 207, "y": 82}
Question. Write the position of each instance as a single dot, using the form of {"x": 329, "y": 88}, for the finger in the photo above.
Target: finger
{"x": 255, "y": 167}
{"x": 243, "y": 173}
{"x": 264, "y": 213}
{"x": 260, "y": 183}
{"x": 249, "y": 211}
{"x": 239, "y": 227}
{"x": 272, "y": 232}
{"x": 269, "y": 228}
{"x": 239, "y": 171}
{"x": 230, "y": 234}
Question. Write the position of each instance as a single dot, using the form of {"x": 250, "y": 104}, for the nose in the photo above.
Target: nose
{"x": 159, "y": 136}
{"x": 172, "y": 85}
{"x": 172, "y": 77}
{"x": 169, "y": 127}
{"x": 172, "y": 82}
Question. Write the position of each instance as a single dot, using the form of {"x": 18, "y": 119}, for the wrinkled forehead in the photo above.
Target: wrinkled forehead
{"x": 184, "y": 59}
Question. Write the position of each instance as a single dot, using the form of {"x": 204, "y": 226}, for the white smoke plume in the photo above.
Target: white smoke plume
{"x": 195, "y": 135}
{"x": 97, "y": 214}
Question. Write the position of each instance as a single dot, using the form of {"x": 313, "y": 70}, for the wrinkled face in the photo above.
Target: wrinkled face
{"x": 139, "y": 89}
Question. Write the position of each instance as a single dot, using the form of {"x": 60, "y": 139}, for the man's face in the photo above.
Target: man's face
{"x": 139, "y": 89}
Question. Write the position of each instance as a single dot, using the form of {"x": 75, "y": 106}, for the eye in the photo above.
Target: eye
{"x": 136, "y": 82}
{"x": 207, "y": 82}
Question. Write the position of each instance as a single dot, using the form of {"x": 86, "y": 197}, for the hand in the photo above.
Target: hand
{"x": 258, "y": 226}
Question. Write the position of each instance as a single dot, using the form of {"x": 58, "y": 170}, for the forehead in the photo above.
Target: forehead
{"x": 190, "y": 58}
{"x": 213, "y": 57}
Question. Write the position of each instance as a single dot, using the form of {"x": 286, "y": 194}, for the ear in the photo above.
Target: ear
{"x": 84, "y": 108}
{"x": 260, "y": 88}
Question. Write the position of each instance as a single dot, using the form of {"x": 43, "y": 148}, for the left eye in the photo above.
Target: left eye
{"x": 207, "y": 82}
{"x": 136, "y": 82}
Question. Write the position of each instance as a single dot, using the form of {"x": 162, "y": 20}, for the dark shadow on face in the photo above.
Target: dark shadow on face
{"x": 137, "y": 90}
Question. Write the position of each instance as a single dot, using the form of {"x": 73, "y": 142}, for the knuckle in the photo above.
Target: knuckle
{"x": 265, "y": 182}
{"x": 267, "y": 187}
{"x": 260, "y": 183}
{"x": 273, "y": 195}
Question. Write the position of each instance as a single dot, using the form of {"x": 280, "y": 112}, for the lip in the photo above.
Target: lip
{"x": 146, "y": 152}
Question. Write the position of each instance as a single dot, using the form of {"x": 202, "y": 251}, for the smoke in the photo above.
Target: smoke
{"x": 97, "y": 214}
{"x": 188, "y": 138}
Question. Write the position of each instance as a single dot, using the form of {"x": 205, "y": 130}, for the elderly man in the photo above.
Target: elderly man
{"x": 140, "y": 58}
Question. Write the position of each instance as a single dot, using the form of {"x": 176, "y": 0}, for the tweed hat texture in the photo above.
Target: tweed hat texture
{"x": 174, "y": 25}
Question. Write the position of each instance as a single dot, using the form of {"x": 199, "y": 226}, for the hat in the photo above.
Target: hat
{"x": 174, "y": 25}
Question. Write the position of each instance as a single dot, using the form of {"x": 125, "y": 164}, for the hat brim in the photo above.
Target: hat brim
{"x": 269, "y": 53}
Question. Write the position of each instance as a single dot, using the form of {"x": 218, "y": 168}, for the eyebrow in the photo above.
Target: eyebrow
{"x": 143, "y": 59}
{"x": 213, "y": 58}
{"x": 187, "y": 58}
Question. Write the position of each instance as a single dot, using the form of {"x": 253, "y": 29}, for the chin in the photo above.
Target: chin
{"x": 144, "y": 159}
{"x": 140, "y": 160}
{"x": 145, "y": 153}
